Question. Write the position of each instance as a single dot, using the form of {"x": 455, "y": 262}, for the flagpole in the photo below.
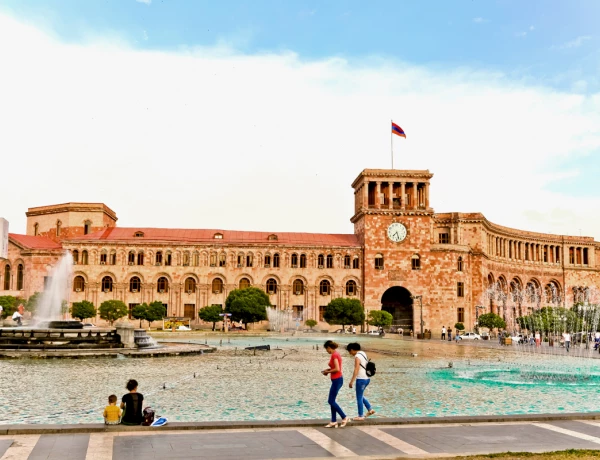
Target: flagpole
{"x": 392, "y": 143}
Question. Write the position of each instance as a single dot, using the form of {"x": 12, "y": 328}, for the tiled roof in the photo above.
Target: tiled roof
{"x": 229, "y": 237}
{"x": 35, "y": 242}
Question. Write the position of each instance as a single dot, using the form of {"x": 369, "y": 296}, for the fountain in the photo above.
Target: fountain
{"x": 279, "y": 320}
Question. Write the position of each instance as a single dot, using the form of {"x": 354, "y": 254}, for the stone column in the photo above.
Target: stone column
{"x": 365, "y": 193}
{"x": 125, "y": 330}
{"x": 415, "y": 197}
{"x": 390, "y": 195}
{"x": 378, "y": 195}
{"x": 403, "y": 193}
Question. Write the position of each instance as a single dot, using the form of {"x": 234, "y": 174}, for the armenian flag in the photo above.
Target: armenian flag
{"x": 397, "y": 130}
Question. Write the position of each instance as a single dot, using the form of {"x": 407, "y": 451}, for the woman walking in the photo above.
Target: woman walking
{"x": 361, "y": 378}
{"x": 337, "y": 381}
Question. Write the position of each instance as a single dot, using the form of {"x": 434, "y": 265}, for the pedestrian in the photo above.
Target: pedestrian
{"x": 131, "y": 403}
{"x": 361, "y": 379}
{"x": 112, "y": 414}
{"x": 443, "y": 332}
{"x": 538, "y": 340}
{"x": 567, "y": 338}
{"x": 596, "y": 340}
{"x": 449, "y": 334}
{"x": 500, "y": 333}
{"x": 354, "y": 329}
{"x": 337, "y": 381}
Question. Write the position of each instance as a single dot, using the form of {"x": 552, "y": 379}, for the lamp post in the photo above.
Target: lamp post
{"x": 420, "y": 297}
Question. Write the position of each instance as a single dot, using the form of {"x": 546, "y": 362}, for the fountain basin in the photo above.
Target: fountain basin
{"x": 36, "y": 338}
{"x": 60, "y": 325}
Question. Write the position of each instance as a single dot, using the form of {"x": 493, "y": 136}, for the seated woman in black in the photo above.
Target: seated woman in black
{"x": 132, "y": 405}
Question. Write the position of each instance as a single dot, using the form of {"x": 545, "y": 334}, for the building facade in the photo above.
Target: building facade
{"x": 426, "y": 269}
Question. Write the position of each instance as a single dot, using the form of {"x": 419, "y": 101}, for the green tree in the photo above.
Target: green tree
{"x": 344, "y": 311}
{"x": 32, "y": 303}
{"x": 491, "y": 321}
{"x": 248, "y": 305}
{"x": 459, "y": 326}
{"x": 210, "y": 314}
{"x": 82, "y": 310}
{"x": 112, "y": 310}
{"x": 156, "y": 312}
{"x": 9, "y": 305}
{"x": 310, "y": 323}
{"x": 379, "y": 318}
{"x": 140, "y": 312}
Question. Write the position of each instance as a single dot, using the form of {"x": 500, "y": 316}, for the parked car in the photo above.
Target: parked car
{"x": 89, "y": 325}
{"x": 469, "y": 336}
{"x": 373, "y": 332}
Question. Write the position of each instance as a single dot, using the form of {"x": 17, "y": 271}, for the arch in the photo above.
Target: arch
{"x": 168, "y": 258}
{"x": 398, "y": 302}
{"x": 79, "y": 284}
{"x": 217, "y": 285}
{"x": 294, "y": 260}
{"x": 325, "y": 287}
{"x": 75, "y": 255}
{"x": 140, "y": 258}
{"x": 415, "y": 262}
{"x": 351, "y": 288}
{"x": 298, "y": 287}
{"x": 347, "y": 261}
{"x": 84, "y": 257}
{"x": 244, "y": 283}
{"x": 6, "y": 277}
{"x": 189, "y": 285}
{"x": 131, "y": 258}
{"x": 107, "y": 283}
{"x": 552, "y": 292}
{"x": 112, "y": 257}
{"x": 249, "y": 259}
{"x": 222, "y": 259}
{"x": 271, "y": 286}
{"x": 321, "y": 260}
{"x": 276, "y": 260}
{"x": 244, "y": 275}
{"x": 302, "y": 260}
{"x": 267, "y": 261}
{"x": 20, "y": 276}
{"x": 135, "y": 284}
{"x": 196, "y": 259}
{"x": 329, "y": 261}
{"x": 36, "y": 229}
{"x": 459, "y": 264}
{"x": 58, "y": 227}
{"x": 162, "y": 285}
{"x": 533, "y": 292}
{"x": 271, "y": 275}
{"x": 379, "y": 262}
{"x": 158, "y": 258}
{"x": 186, "y": 259}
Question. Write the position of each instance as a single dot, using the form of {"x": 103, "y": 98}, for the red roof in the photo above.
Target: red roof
{"x": 229, "y": 237}
{"x": 34, "y": 242}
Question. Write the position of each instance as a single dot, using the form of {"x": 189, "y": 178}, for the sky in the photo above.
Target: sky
{"x": 258, "y": 115}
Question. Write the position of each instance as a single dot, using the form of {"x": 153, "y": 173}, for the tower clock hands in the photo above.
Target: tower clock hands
{"x": 396, "y": 236}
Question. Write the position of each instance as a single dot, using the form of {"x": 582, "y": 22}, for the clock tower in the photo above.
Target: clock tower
{"x": 394, "y": 223}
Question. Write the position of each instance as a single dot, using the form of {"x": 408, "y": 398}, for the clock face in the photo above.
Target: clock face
{"x": 396, "y": 232}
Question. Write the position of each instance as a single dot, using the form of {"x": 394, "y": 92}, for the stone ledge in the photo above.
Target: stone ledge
{"x": 16, "y": 429}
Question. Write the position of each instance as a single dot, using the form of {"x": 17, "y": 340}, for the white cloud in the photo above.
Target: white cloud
{"x": 147, "y": 2}
{"x": 145, "y": 35}
{"x": 479, "y": 20}
{"x": 531, "y": 28}
{"x": 575, "y": 43}
{"x": 213, "y": 138}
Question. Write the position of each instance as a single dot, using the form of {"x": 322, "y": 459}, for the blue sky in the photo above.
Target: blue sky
{"x": 504, "y": 63}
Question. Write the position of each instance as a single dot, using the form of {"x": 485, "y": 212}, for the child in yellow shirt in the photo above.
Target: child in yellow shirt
{"x": 112, "y": 413}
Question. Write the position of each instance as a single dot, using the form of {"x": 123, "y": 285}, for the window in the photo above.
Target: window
{"x": 113, "y": 258}
{"x": 355, "y": 263}
{"x": 222, "y": 260}
{"x": 158, "y": 258}
{"x": 294, "y": 260}
{"x": 572, "y": 256}
{"x": 298, "y": 312}
{"x": 131, "y": 258}
{"x": 276, "y": 260}
{"x": 103, "y": 258}
{"x": 240, "y": 260}
{"x": 186, "y": 259}
{"x": 298, "y": 287}
{"x": 189, "y": 310}
{"x": 84, "y": 257}
{"x": 460, "y": 317}
{"x": 351, "y": 288}
{"x": 346, "y": 261}
{"x": 271, "y": 286}
{"x": 329, "y": 261}
{"x": 169, "y": 258}
{"x": 87, "y": 227}
{"x": 20, "y": 277}
{"x": 190, "y": 285}
{"x": 244, "y": 283}
{"x": 78, "y": 284}
{"x": 443, "y": 238}
{"x": 321, "y": 260}
{"x": 302, "y": 260}
{"x": 267, "y": 261}
{"x": 75, "y": 255}
{"x": 138, "y": 235}
{"x": 58, "y": 226}
{"x": 460, "y": 289}
{"x": 213, "y": 260}
{"x": 585, "y": 256}
{"x": 459, "y": 265}
{"x": 36, "y": 229}
{"x": 196, "y": 261}
{"x": 379, "y": 262}
{"x": 135, "y": 284}
{"x": 324, "y": 287}
{"x": 272, "y": 237}
{"x": 162, "y": 285}
{"x": 249, "y": 260}
{"x": 218, "y": 236}
{"x": 415, "y": 262}
{"x": 217, "y": 286}
{"x": 322, "y": 309}
{"x": 107, "y": 284}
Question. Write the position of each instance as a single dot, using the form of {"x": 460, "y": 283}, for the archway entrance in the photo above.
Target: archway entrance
{"x": 396, "y": 301}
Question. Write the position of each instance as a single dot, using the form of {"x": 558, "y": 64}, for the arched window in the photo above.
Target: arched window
{"x": 217, "y": 285}
{"x": 79, "y": 284}
{"x": 84, "y": 257}
{"x": 271, "y": 286}
{"x": 298, "y": 287}
{"x": 222, "y": 259}
{"x": 196, "y": 261}
{"x": 58, "y": 226}
{"x": 131, "y": 258}
{"x": 355, "y": 263}
{"x": 75, "y": 255}
{"x": 168, "y": 258}
{"x": 294, "y": 260}
{"x": 162, "y": 285}
{"x": 415, "y": 262}
{"x": 329, "y": 261}
{"x": 213, "y": 259}
{"x": 240, "y": 259}
{"x": 7, "y": 277}
{"x": 346, "y": 261}
{"x": 324, "y": 287}
{"x": 87, "y": 227}
{"x": 135, "y": 284}
{"x": 244, "y": 283}
{"x": 321, "y": 260}
{"x": 276, "y": 260}
{"x": 103, "y": 257}
{"x": 113, "y": 257}
{"x": 351, "y": 288}
{"x": 379, "y": 262}
{"x": 190, "y": 285}
{"x": 36, "y": 229}
{"x": 158, "y": 258}
{"x": 249, "y": 260}
{"x": 107, "y": 284}
{"x": 302, "y": 260}
{"x": 140, "y": 258}
{"x": 20, "y": 277}
{"x": 459, "y": 266}
{"x": 267, "y": 261}
{"x": 186, "y": 258}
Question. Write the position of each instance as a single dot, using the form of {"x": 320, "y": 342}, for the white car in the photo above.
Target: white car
{"x": 469, "y": 336}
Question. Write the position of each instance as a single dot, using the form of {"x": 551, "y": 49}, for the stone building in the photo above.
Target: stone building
{"x": 403, "y": 258}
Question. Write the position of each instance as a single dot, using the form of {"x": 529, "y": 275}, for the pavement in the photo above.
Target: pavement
{"x": 378, "y": 439}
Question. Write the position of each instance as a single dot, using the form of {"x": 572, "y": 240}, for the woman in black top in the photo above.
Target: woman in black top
{"x": 132, "y": 405}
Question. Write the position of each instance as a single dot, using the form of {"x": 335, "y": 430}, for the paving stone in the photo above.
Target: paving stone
{"x": 359, "y": 442}
{"x": 4, "y": 445}
{"x": 60, "y": 447}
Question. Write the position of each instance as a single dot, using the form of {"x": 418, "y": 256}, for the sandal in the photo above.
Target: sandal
{"x": 331, "y": 425}
{"x": 344, "y": 422}
{"x": 358, "y": 419}
{"x": 371, "y": 412}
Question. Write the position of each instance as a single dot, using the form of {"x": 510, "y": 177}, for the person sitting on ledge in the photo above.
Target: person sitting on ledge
{"x": 132, "y": 405}
{"x": 112, "y": 414}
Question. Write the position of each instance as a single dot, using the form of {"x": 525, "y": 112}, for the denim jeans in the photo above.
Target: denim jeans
{"x": 361, "y": 386}
{"x": 336, "y": 385}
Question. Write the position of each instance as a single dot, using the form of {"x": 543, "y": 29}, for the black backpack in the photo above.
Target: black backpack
{"x": 370, "y": 368}
{"x": 148, "y": 415}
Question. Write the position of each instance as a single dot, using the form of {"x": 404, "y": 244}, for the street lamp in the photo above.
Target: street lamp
{"x": 420, "y": 297}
